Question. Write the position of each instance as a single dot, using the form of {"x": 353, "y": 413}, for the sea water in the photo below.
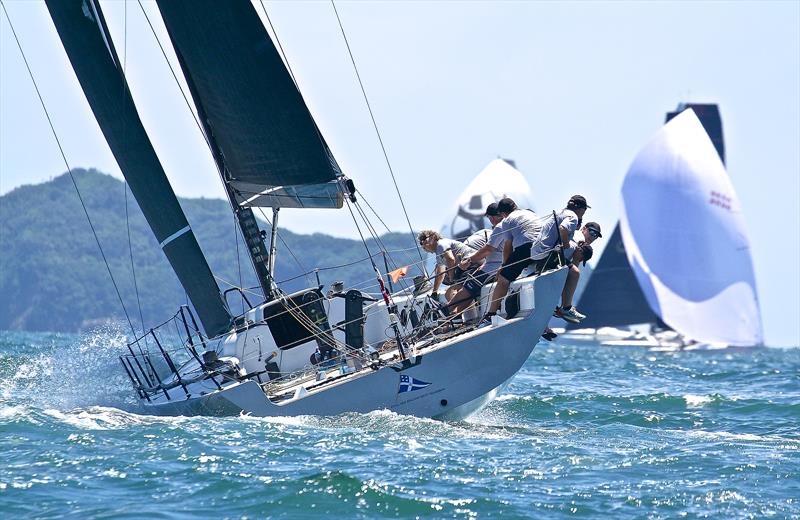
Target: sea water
{"x": 582, "y": 431}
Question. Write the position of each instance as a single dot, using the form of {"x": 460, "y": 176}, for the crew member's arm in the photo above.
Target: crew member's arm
{"x": 564, "y": 236}
{"x": 507, "y": 248}
{"x": 437, "y": 282}
{"x": 477, "y": 256}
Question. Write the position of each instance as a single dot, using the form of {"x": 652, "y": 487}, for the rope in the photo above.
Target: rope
{"x": 375, "y": 125}
{"x": 69, "y": 169}
{"x": 125, "y": 183}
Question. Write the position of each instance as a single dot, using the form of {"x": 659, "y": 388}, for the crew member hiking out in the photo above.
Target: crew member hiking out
{"x": 489, "y": 256}
{"x": 448, "y": 254}
{"x": 533, "y": 241}
{"x": 585, "y": 236}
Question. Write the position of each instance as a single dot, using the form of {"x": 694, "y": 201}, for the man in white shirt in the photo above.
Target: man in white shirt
{"x": 532, "y": 241}
{"x": 585, "y": 236}
{"x": 487, "y": 256}
{"x": 448, "y": 254}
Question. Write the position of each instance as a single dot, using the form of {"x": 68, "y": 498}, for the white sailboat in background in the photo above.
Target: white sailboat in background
{"x": 500, "y": 178}
{"x": 679, "y": 262}
{"x": 306, "y": 353}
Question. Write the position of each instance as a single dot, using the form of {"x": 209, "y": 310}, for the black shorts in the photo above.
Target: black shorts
{"x": 551, "y": 261}
{"x": 457, "y": 275}
{"x": 517, "y": 261}
{"x": 476, "y": 281}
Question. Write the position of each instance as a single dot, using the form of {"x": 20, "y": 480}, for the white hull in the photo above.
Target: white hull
{"x": 463, "y": 373}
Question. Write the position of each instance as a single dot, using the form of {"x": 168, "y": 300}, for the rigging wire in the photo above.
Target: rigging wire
{"x": 294, "y": 80}
{"x": 69, "y": 169}
{"x": 375, "y": 125}
{"x": 125, "y": 181}
{"x": 306, "y": 272}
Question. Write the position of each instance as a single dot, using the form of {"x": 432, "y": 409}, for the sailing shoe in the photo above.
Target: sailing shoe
{"x": 485, "y": 322}
{"x": 568, "y": 315}
{"x": 548, "y": 334}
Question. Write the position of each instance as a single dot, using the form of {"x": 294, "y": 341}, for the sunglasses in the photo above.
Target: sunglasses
{"x": 594, "y": 233}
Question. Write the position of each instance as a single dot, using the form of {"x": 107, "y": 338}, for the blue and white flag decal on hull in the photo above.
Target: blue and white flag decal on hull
{"x": 409, "y": 384}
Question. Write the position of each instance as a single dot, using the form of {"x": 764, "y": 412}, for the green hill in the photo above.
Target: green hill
{"x": 53, "y": 278}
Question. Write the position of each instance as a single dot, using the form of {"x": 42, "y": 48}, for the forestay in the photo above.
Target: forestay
{"x": 685, "y": 237}
{"x": 253, "y": 113}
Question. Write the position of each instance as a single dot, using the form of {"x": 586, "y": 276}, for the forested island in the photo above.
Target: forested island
{"x": 53, "y": 277}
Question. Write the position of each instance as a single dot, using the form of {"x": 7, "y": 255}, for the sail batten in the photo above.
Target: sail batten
{"x": 265, "y": 136}
{"x": 84, "y": 35}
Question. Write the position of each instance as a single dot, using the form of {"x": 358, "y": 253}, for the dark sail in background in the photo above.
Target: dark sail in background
{"x": 266, "y": 141}
{"x": 612, "y": 297}
{"x": 709, "y": 117}
{"x": 83, "y": 32}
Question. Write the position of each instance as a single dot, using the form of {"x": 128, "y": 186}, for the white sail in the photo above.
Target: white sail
{"x": 685, "y": 237}
{"x": 497, "y": 180}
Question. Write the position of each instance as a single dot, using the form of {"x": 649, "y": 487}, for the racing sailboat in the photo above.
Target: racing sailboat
{"x": 309, "y": 352}
{"x": 692, "y": 212}
{"x": 500, "y": 178}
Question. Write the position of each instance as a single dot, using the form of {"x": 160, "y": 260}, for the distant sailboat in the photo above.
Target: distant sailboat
{"x": 500, "y": 178}
{"x": 680, "y": 212}
{"x": 305, "y": 353}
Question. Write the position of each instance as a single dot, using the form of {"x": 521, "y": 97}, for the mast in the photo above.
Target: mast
{"x": 86, "y": 39}
{"x": 267, "y": 147}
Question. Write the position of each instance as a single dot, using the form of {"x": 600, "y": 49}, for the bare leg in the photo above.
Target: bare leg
{"x": 569, "y": 287}
{"x": 452, "y": 290}
{"x": 460, "y": 302}
{"x": 500, "y": 291}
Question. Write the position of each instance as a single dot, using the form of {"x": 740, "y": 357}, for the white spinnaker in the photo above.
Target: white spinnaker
{"x": 497, "y": 180}
{"x": 685, "y": 237}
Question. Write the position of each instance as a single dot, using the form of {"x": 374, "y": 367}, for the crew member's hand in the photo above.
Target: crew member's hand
{"x": 465, "y": 263}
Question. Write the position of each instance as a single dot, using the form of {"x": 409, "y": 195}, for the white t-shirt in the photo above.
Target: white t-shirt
{"x": 548, "y": 238}
{"x": 520, "y": 226}
{"x": 459, "y": 250}
{"x": 477, "y": 240}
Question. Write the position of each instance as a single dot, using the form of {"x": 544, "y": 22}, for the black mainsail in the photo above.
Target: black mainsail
{"x": 85, "y": 36}
{"x": 270, "y": 148}
{"x": 612, "y": 297}
{"x": 263, "y": 138}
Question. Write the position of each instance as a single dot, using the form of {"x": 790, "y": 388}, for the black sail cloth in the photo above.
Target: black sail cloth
{"x": 265, "y": 140}
{"x": 84, "y": 34}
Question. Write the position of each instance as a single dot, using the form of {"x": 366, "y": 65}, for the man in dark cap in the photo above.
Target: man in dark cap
{"x": 537, "y": 241}
{"x": 584, "y": 237}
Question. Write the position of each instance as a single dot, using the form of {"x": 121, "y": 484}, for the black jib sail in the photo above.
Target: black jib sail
{"x": 84, "y": 34}
{"x": 612, "y": 297}
{"x": 264, "y": 138}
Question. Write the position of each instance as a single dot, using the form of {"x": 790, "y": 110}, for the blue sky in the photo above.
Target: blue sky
{"x": 570, "y": 90}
